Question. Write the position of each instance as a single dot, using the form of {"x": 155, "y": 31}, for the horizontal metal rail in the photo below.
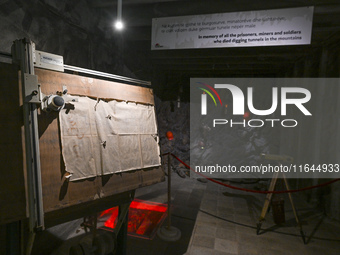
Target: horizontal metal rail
{"x": 106, "y": 75}
{"x": 93, "y": 72}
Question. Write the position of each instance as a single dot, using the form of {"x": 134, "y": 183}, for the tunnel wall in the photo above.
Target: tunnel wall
{"x": 73, "y": 30}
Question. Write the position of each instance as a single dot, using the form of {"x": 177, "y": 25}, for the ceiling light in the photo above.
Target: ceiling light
{"x": 119, "y": 25}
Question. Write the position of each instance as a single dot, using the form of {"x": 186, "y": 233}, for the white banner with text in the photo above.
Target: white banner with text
{"x": 291, "y": 26}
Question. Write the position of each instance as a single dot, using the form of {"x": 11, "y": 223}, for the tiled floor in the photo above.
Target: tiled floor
{"x": 226, "y": 224}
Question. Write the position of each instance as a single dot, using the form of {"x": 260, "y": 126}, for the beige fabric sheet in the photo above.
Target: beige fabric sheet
{"x": 101, "y": 137}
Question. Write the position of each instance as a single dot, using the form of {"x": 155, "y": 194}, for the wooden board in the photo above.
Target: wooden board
{"x": 59, "y": 193}
{"x": 12, "y": 184}
{"x": 79, "y": 85}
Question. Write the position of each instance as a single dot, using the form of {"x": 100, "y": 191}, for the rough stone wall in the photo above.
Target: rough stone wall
{"x": 177, "y": 120}
{"x": 69, "y": 28}
{"x": 244, "y": 145}
{"x": 239, "y": 144}
{"x": 319, "y": 141}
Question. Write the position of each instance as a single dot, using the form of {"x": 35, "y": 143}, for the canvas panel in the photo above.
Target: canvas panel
{"x": 100, "y": 137}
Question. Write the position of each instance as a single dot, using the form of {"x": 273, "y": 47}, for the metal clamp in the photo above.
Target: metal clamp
{"x": 32, "y": 89}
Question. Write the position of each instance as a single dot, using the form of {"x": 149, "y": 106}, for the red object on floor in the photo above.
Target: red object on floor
{"x": 169, "y": 135}
{"x": 144, "y": 218}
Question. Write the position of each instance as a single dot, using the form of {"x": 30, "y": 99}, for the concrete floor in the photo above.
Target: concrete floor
{"x": 186, "y": 199}
{"x": 217, "y": 220}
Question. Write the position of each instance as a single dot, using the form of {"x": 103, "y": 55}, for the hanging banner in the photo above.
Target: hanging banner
{"x": 291, "y": 26}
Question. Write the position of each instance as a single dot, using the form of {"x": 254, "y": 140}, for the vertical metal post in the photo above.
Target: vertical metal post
{"x": 123, "y": 230}
{"x": 169, "y": 190}
{"x": 169, "y": 233}
{"x": 23, "y": 54}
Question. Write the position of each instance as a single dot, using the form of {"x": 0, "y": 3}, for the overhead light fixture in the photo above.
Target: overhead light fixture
{"x": 119, "y": 24}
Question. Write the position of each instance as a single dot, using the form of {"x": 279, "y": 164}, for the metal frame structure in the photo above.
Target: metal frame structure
{"x": 22, "y": 54}
{"x": 25, "y": 55}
